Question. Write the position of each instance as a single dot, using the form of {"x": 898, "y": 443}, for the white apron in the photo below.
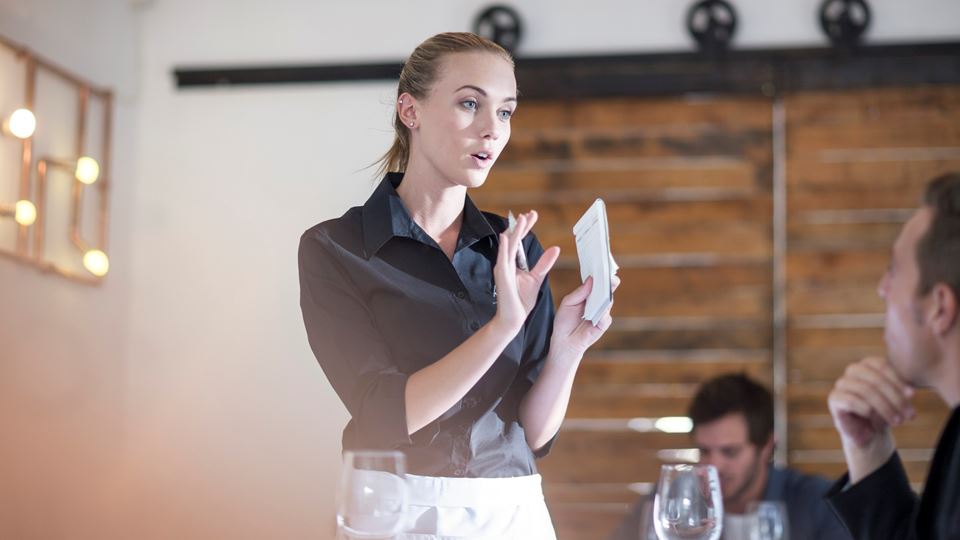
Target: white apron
{"x": 476, "y": 508}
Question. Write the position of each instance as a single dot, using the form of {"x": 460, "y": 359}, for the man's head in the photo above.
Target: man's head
{"x": 733, "y": 429}
{"x": 922, "y": 283}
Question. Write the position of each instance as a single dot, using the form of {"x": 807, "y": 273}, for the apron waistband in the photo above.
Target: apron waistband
{"x": 468, "y": 492}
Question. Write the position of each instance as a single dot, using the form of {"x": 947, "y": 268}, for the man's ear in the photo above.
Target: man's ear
{"x": 944, "y": 308}
{"x": 766, "y": 451}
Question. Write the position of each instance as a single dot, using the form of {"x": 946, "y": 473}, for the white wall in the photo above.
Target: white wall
{"x": 63, "y": 388}
{"x": 194, "y": 408}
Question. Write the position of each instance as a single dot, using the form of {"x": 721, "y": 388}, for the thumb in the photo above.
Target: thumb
{"x": 580, "y": 294}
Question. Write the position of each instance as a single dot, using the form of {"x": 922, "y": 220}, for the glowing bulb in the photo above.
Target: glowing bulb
{"x": 22, "y": 123}
{"x": 26, "y": 213}
{"x": 88, "y": 170}
{"x": 96, "y": 262}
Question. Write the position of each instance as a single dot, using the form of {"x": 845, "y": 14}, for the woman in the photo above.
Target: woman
{"x": 437, "y": 343}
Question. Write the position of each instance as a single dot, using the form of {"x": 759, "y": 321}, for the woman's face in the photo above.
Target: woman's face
{"x": 464, "y": 123}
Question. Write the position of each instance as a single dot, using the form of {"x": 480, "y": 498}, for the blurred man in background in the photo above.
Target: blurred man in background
{"x": 733, "y": 430}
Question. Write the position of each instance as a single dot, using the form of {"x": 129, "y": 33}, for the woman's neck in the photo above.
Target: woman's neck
{"x": 435, "y": 204}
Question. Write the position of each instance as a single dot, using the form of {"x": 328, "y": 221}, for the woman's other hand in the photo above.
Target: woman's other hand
{"x": 570, "y": 330}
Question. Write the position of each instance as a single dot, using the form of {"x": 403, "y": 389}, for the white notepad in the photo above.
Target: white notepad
{"x": 596, "y": 260}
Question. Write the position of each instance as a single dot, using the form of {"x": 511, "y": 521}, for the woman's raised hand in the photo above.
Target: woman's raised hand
{"x": 570, "y": 330}
{"x": 517, "y": 289}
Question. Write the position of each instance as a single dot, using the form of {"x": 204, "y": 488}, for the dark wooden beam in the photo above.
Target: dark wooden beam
{"x": 766, "y": 72}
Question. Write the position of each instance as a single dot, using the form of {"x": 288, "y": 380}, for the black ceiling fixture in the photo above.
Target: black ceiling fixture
{"x": 845, "y": 21}
{"x": 500, "y": 24}
{"x": 712, "y": 24}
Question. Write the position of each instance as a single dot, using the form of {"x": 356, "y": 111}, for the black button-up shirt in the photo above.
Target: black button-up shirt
{"x": 381, "y": 301}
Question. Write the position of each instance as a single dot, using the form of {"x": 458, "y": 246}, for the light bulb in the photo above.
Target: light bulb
{"x": 96, "y": 262}
{"x": 22, "y": 123}
{"x": 26, "y": 213}
{"x": 88, "y": 170}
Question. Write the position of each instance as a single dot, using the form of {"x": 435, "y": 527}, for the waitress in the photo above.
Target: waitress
{"x": 424, "y": 317}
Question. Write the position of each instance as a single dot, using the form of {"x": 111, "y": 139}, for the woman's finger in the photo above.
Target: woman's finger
{"x": 518, "y": 234}
{"x": 578, "y": 295}
{"x": 546, "y": 262}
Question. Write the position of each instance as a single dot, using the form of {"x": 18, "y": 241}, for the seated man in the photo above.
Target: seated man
{"x": 733, "y": 429}
{"x": 921, "y": 289}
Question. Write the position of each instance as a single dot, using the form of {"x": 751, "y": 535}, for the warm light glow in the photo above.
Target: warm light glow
{"x": 666, "y": 424}
{"x": 676, "y": 455}
{"x": 88, "y": 170}
{"x": 26, "y": 213}
{"x": 96, "y": 262}
{"x": 21, "y": 123}
{"x": 674, "y": 424}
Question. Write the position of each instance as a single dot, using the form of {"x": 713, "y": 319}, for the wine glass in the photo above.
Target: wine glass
{"x": 372, "y": 496}
{"x": 688, "y": 504}
{"x": 768, "y": 520}
{"x": 646, "y": 528}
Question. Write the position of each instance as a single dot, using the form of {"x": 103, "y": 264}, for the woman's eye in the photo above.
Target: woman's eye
{"x": 469, "y": 104}
{"x": 505, "y": 114}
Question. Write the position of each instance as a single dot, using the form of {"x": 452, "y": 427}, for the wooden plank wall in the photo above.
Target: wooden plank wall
{"x": 688, "y": 185}
{"x": 857, "y": 163}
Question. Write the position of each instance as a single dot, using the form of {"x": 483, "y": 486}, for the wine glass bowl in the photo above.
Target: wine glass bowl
{"x": 372, "y": 495}
{"x": 688, "y": 504}
{"x": 768, "y": 520}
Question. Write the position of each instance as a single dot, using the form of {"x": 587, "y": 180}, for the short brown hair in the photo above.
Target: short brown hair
{"x": 938, "y": 251}
{"x": 735, "y": 393}
{"x": 417, "y": 77}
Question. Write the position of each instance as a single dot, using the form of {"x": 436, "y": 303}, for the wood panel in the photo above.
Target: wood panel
{"x": 642, "y": 112}
{"x": 666, "y": 368}
{"x": 857, "y": 164}
{"x": 608, "y": 456}
{"x": 687, "y": 183}
{"x": 586, "y": 521}
{"x": 692, "y": 333}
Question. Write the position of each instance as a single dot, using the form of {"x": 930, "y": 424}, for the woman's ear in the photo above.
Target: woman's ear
{"x": 407, "y": 106}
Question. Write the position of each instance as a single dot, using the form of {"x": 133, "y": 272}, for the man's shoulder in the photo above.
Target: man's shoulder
{"x": 793, "y": 483}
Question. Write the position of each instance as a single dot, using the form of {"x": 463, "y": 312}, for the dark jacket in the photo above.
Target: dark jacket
{"x": 882, "y": 506}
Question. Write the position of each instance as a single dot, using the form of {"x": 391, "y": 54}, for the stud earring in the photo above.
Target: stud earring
{"x": 411, "y": 124}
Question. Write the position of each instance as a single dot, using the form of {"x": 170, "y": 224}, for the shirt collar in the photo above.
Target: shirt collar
{"x": 384, "y": 217}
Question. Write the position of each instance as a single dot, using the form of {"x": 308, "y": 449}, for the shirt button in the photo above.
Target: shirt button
{"x": 458, "y": 472}
{"x": 461, "y": 295}
{"x": 474, "y": 326}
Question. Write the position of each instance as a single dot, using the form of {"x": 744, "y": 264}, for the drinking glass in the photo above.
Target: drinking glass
{"x": 688, "y": 504}
{"x": 646, "y": 530}
{"x": 768, "y": 521}
{"x": 372, "y": 495}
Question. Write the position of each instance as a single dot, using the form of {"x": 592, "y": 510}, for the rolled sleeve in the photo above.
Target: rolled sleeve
{"x": 350, "y": 350}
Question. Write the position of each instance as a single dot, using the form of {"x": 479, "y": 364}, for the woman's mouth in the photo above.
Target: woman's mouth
{"x": 483, "y": 159}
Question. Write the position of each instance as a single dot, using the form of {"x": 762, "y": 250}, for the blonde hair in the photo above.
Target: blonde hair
{"x": 418, "y": 75}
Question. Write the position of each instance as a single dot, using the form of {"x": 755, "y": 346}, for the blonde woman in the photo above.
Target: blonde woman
{"x": 440, "y": 344}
